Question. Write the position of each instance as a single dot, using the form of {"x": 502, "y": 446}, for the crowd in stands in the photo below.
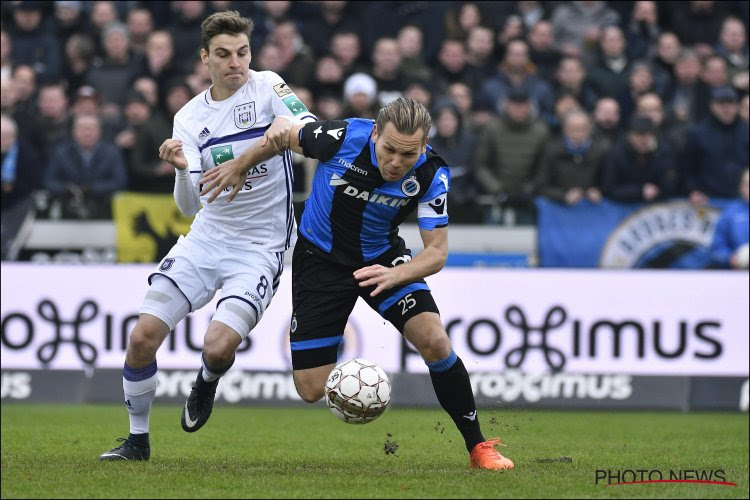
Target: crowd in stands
{"x": 630, "y": 101}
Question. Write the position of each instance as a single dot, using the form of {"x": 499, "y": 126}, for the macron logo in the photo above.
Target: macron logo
{"x": 336, "y": 133}
{"x": 204, "y": 133}
{"x": 337, "y": 181}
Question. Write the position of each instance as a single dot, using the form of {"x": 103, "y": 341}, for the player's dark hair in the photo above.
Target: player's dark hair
{"x": 228, "y": 22}
{"x": 407, "y": 115}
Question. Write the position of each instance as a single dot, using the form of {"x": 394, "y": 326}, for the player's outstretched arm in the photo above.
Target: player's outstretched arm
{"x": 233, "y": 172}
{"x": 429, "y": 261}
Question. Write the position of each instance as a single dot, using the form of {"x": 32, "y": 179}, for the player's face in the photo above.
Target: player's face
{"x": 228, "y": 60}
{"x": 396, "y": 152}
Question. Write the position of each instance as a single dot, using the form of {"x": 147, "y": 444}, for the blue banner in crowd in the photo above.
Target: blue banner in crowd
{"x": 626, "y": 235}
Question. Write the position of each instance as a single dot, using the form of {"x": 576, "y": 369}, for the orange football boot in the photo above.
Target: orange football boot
{"x": 485, "y": 456}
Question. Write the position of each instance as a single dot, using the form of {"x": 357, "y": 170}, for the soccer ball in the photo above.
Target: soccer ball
{"x": 358, "y": 391}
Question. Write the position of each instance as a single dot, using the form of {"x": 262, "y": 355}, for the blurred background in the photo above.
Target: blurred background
{"x": 581, "y": 135}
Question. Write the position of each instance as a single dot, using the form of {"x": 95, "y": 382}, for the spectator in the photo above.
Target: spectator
{"x": 113, "y": 76}
{"x": 69, "y": 19}
{"x": 571, "y": 165}
{"x": 667, "y": 51}
{"x": 176, "y": 95}
{"x": 22, "y": 171}
{"x": 85, "y": 170}
{"x": 296, "y": 58}
{"x": 79, "y": 55}
{"x": 480, "y": 57}
{"x": 542, "y": 50}
{"x": 571, "y": 79}
{"x": 607, "y": 119}
{"x": 637, "y": 167}
{"x": 329, "y": 76}
{"x": 386, "y": 63}
{"x": 268, "y": 59}
{"x": 360, "y": 96}
{"x": 200, "y": 79}
{"x": 733, "y": 47}
{"x": 455, "y": 144}
{"x": 346, "y": 47}
{"x": 53, "y": 112}
{"x": 609, "y": 75}
{"x": 508, "y": 150}
{"x": 159, "y": 61}
{"x": 578, "y": 26}
{"x": 150, "y": 90}
{"x": 148, "y": 173}
{"x": 682, "y": 96}
{"x": 697, "y": 24}
{"x": 460, "y": 22}
{"x": 714, "y": 75}
{"x": 673, "y": 134}
{"x": 137, "y": 113}
{"x": 24, "y": 81}
{"x": 531, "y": 13}
{"x": 452, "y": 64}
{"x": 716, "y": 150}
{"x": 564, "y": 104}
{"x": 329, "y": 107}
{"x": 420, "y": 92}
{"x": 140, "y": 24}
{"x": 640, "y": 81}
{"x": 642, "y": 31}
{"x": 103, "y": 13}
{"x": 517, "y": 71}
{"x": 410, "y": 44}
{"x": 730, "y": 239}
{"x": 186, "y": 31}
{"x": 332, "y": 17}
{"x": 33, "y": 45}
{"x": 460, "y": 94}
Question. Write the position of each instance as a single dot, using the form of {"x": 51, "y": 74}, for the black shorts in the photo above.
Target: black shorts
{"x": 323, "y": 297}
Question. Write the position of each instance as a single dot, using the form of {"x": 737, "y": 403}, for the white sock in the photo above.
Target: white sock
{"x": 139, "y": 394}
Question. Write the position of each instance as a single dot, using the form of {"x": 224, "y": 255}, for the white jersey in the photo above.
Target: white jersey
{"x": 261, "y": 215}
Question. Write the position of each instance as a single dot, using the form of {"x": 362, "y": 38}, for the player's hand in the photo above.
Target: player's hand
{"x": 171, "y": 151}
{"x": 277, "y": 135}
{"x": 379, "y": 276}
{"x": 230, "y": 173}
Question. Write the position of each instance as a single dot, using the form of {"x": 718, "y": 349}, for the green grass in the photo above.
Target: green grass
{"x": 243, "y": 452}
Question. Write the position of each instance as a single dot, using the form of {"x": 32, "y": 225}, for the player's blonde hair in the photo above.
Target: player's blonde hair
{"x": 228, "y": 22}
{"x": 407, "y": 115}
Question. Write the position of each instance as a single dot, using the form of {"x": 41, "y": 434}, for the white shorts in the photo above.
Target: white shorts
{"x": 199, "y": 268}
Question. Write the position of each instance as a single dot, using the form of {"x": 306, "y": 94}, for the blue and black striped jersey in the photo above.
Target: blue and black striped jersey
{"x": 353, "y": 214}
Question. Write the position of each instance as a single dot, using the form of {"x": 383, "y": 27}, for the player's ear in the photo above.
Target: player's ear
{"x": 374, "y": 135}
{"x": 204, "y": 56}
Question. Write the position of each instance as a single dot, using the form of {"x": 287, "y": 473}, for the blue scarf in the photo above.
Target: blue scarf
{"x": 8, "y": 175}
{"x": 579, "y": 150}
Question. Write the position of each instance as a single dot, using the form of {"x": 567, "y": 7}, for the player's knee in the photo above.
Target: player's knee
{"x": 308, "y": 391}
{"x": 436, "y": 346}
{"x": 219, "y": 351}
{"x": 143, "y": 344}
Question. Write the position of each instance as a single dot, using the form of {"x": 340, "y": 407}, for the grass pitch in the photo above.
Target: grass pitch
{"x": 50, "y": 451}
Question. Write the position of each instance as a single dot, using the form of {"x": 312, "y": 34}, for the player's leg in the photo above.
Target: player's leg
{"x": 163, "y": 307}
{"x": 219, "y": 348}
{"x": 412, "y": 310}
{"x": 248, "y": 281}
{"x": 323, "y": 296}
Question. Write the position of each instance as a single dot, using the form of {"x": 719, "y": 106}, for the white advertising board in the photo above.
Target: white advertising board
{"x": 538, "y": 321}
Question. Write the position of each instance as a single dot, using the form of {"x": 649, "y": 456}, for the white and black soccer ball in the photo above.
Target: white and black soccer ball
{"x": 743, "y": 256}
{"x": 358, "y": 391}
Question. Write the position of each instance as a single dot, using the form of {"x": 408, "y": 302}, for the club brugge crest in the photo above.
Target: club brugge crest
{"x": 410, "y": 187}
{"x": 244, "y": 115}
{"x": 664, "y": 235}
{"x": 166, "y": 264}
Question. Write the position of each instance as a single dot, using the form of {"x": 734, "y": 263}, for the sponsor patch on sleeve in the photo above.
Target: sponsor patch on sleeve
{"x": 282, "y": 89}
{"x": 295, "y": 105}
